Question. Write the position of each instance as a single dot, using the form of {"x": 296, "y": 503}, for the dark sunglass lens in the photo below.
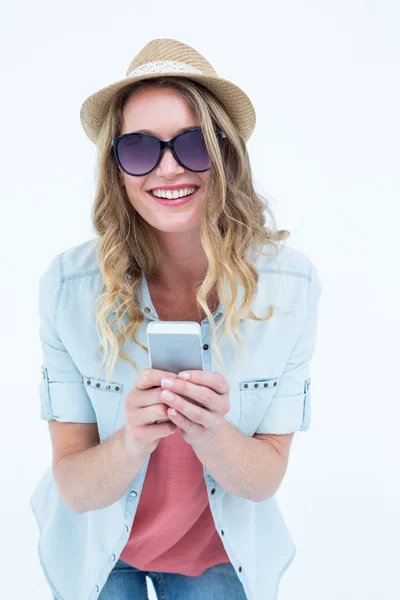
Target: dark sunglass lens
{"x": 192, "y": 151}
{"x": 138, "y": 153}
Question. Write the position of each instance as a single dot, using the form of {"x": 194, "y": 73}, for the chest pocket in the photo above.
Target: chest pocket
{"x": 106, "y": 401}
{"x": 255, "y": 397}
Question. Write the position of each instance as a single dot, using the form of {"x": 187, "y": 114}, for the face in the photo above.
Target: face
{"x": 163, "y": 113}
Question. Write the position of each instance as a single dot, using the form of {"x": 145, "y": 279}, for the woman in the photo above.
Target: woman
{"x": 136, "y": 489}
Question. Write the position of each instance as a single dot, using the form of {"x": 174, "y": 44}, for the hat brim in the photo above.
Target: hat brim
{"x": 233, "y": 98}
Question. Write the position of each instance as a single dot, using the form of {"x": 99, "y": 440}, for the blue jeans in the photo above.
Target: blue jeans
{"x": 216, "y": 583}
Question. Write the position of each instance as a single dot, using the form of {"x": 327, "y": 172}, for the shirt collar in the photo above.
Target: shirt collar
{"x": 148, "y": 310}
{"x": 269, "y": 291}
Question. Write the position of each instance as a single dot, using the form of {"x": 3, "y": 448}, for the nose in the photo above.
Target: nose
{"x": 168, "y": 166}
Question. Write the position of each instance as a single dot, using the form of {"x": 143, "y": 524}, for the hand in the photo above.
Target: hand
{"x": 198, "y": 422}
{"x": 146, "y": 417}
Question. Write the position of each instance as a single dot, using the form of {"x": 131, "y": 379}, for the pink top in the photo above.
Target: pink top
{"x": 174, "y": 530}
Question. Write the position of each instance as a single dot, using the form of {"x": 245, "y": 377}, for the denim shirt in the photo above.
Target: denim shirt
{"x": 269, "y": 393}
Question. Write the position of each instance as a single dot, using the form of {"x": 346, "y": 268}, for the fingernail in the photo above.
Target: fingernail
{"x": 167, "y": 382}
{"x": 184, "y": 375}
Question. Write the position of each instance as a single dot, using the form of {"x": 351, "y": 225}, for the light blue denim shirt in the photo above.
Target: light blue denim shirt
{"x": 270, "y": 393}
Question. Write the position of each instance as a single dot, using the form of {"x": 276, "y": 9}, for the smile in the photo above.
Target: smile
{"x": 173, "y": 194}
{"x": 175, "y": 198}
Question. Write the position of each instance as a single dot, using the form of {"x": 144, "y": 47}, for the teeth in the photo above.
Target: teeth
{"x": 171, "y": 194}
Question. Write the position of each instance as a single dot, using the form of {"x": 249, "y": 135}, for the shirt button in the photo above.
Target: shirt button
{"x": 205, "y": 347}
{"x": 222, "y": 532}
{"x": 213, "y": 491}
{"x": 147, "y": 309}
{"x": 97, "y": 588}
{"x": 133, "y": 494}
{"x": 126, "y": 528}
{"x": 240, "y": 569}
{"x": 113, "y": 557}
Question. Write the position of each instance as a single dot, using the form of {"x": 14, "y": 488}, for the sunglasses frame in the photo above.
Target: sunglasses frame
{"x": 163, "y": 145}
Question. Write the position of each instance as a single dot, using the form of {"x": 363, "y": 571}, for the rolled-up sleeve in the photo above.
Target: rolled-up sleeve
{"x": 63, "y": 396}
{"x": 290, "y": 407}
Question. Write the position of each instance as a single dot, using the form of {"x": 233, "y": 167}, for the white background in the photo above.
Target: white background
{"x": 324, "y": 80}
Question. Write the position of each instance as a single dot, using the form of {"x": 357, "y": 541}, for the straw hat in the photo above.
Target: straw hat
{"x": 170, "y": 57}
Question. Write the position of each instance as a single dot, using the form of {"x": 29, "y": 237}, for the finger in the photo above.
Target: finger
{"x": 195, "y": 414}
{"x": 156, "y": 413}
{"x": 211, "y": 379}
{"x": 147, "y": 403}
{"x": 203, "y": 395}
{"x": 149, "y": 378}
{"x": 189, "y": 430}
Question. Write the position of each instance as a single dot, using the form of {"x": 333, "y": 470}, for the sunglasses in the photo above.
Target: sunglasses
{"x": 139, "y": 153}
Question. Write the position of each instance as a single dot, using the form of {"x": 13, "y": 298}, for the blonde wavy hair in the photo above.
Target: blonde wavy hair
{"x": 232, "y": 226}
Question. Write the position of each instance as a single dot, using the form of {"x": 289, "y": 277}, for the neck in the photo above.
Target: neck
{"x": 183, "y": 262}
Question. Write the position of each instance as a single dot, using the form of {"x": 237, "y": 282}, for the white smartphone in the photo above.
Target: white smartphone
{"x": 175, "y": 346}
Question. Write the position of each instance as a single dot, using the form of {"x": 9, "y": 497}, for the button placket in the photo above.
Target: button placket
{"x": 223, "y": 535}
{"x": 210, "y": 482}
{"x": 206, "y": 348}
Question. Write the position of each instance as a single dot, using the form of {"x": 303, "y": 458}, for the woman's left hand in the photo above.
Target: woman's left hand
{"x": 198, "y": 424}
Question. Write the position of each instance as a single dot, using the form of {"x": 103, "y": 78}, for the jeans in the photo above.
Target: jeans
{"x": 216, "y": 583}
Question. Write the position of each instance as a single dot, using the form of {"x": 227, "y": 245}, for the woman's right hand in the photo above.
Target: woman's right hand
{"x": 144, "y": 409}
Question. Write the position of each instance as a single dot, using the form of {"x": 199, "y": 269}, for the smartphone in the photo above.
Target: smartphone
{"x": 175, "y": 346}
